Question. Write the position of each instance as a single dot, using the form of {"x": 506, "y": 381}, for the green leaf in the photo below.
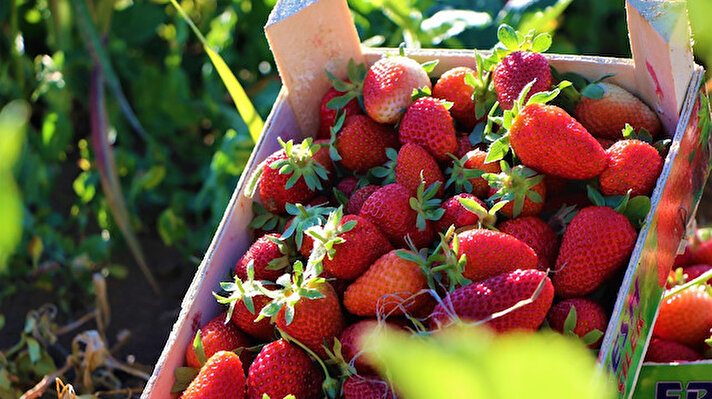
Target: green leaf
{"x": 570, "y": 322}
{"x": 595, "y": 196}
{"x": 592, "y": 337}
{"x": 637, "y": 210}
{"x": 199, "y": 349}
{"x": 34, "y": 349}
{"x": 508, "y": 37}
{"x": 541, "y": 43}
{"x": 183, "y": 377}
{"x": 593, "y": 91}
{"x": 430, "y": 66}
{"x": 498, "y": 149}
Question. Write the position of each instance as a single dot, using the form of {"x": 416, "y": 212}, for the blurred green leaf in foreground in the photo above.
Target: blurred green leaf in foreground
{"x": 469, "y": 362}
{"x": 13, "y": 120}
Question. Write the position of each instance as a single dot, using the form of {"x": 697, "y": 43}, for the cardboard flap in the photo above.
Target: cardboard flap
{"x": 660, "y": 40}
{"x": 308, "y": 37}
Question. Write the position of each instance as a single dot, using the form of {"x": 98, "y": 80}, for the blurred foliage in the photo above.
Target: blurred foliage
{"x": 178, "y": 178}
{"x": 470, "y": 362}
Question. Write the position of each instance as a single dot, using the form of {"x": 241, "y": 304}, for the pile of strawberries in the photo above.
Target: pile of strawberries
{"x": 424, "y": 204}
{"x": 683, "y": 329}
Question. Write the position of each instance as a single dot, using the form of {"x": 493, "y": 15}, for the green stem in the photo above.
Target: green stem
{"x": 702, "y": 279}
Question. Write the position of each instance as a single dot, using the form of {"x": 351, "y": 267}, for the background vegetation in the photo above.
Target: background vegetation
{"x": 119, "y": 148}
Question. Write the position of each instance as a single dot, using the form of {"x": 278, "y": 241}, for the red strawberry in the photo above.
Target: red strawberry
{"x": 389, "y": 85}
{"x": 282, "y": 369}
{"x": 354, "y": 244}
{"x": 413, "y": 161}
{"x": 554, "y": 203}
{"x": 351, "y": 345}
{"x": 515, "y": 71}
{"x": 632, "y": 165}
{"x": 605, "y": 143}
{"x": 606, "y": 117}
{"x": 367, "y": 387}
{"x": 327, "y": 116}
{"x": 491, "y": 253}
{"x": 456, "y": 214}
{"x": 686, "y": 317}
{"x": 390, "y": 210}
{"x": 465, "y": 173}
{"x": 547, "y": 139}
{"x": 537, "y": 234}
{"x": 595, "y": 230}
{"x": 269, "y": 257}
{"x": 387, "y": 288}
{"x": 361, "y": 143}
{"x": 427, "y": 122}
{"x": 293, "y": 174}
{"x": 358, "y": 198}
{"x": 522, "y": 187}
{"x": 217, "y": 336}
{"x": 244, "y": 319}
{"x": 589, "y": 316}
{"x": 451, "y": 87}
{"x": 221, "y": 377}
{"x": 463, "y": 146}
{"x": 702, "y": 253}
{"x": 312, "y": 321}
{"x": 664, "y": 351}
{"x": 684, "y": 259}
{"x": 347, "y": 185}
{"x": 478, "y": 301}
{"x": 694, "y": 271}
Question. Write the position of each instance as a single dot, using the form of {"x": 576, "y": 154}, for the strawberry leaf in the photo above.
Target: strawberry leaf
{"x": 498, "y": 149}
{"x": 593, "y": 91}
{"x": 508, "y": 37}
{"x": 637, "y": 210}
{"x": 430, "y": 66}
{"x": 592, "y": 337}
{"x": 541, "y": 43}
{"x": 198, "y": 348}
{"x": 183, "y": 377}
{"x": 570, "y": 322}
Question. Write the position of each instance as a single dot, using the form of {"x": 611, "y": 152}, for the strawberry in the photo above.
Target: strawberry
{"x": 303, "y": 219}
{"x": 389, "y": 85}
{"x": 606, "y": 116}
{"x": 538, "y": 235}
{"x": 281, "y": 369}
{"x": 456, "y": 214}
{"x": 579, "y": 316}
{"x": 269, "y": 256}
{"x": 605, "y": 143}
{"x": 694, "y": 271}
{"x": 390, "y": 209}
{"x": 466, "y": 173}
{"x": 632, "y": 165}
{"x": 387, "y": 288}
{"x": 292, "y": 174}
{"x": 427, "y": 122}
{"x": 491, "y": 253}
{"x": 522, "y": 187}
{"x": 357, "y": 199}
{"x": 664, "y": 351}
{"x": 480, "y": 300}
{"x": 702, "y": 253}
{"x": 452, "y": 87}
{"x": 307, "y": 309}
{"x": 347, "y": 185}
{"x": 367, "y": 387}
{"x": 351, "y": 345}
{"x": 352, "y": 244}
{"x": 515, "y": 71}
{"x": 548, "y": 140}
{"x": 327, "y": 116}
{"x": 245, "y": 301}
{"x": 222, "y": 376}
{"x": 463, "y": 146}
{"x": 414, "y": 162}
{"x": 684, "y": 259}
{"x": 594, "y": 230}
{"x": 361, "y": 143}
{"x": 217, "y": 336}
{"x": 686, "y": 317}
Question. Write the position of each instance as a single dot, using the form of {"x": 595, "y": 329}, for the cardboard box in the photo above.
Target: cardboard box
{"x": 308, "y": 36}
{"x": 675, "y": 381}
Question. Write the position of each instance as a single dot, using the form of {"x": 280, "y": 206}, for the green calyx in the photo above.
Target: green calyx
{"x": 447, "y": 262}
{"x": 387, "y": 172}
{"x": 460, "y": 176}
{"x": 294, "y": 288}
{"x": 500, "y": 140}
{"x": 514, "y": 185}
{"x": 570, "y": 324}
{"x": 334, "y": 130}
{"x": 235, "y": 291}
{"x": 328, "y": 235}
{"x": 636, "y": 209}
{"x": 287, "y": 252}
{"x": 304, "y": 218}
{"x": 483, "y": 94}
{"x": 511, "y": 40}
{"x": 700, "y": 280}
{"x": 266, "y": 220}
{"x": 300, "y": 163}
{"x": 486, "y": 218}
{"x": 425, "y": 204}
{"x": 353, "y": 88}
